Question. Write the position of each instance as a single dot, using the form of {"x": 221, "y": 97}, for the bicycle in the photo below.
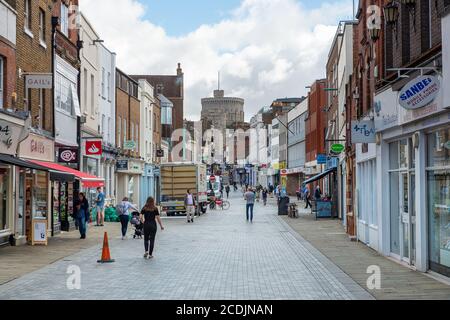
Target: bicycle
{"x": 223, "y": 204}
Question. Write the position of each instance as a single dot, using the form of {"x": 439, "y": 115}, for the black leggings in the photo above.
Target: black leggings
{"x": 124, "y": 221}
{"x": 149, "y": 236}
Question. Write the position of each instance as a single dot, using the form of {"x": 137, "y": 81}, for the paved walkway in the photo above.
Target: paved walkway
{"x": 221, "y": 256}
{"x": 397, "y": 281}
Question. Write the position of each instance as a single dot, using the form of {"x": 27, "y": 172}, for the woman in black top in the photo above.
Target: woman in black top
{"x": 149, "y": 215}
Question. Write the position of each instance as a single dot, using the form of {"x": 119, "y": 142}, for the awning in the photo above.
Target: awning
{"x": 320, "y": 176}
{"x": 21, "y": 163}
{"x": 87, "y": 180}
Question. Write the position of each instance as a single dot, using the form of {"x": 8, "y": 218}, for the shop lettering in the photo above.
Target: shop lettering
{"x": 5, "y": 134}
{"x": 363, "y": 130}
{"x": 416, "y": 89}
{"x": 37, "y": 147}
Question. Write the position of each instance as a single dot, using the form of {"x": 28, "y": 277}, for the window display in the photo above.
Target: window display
{"x": 439, "y": 201}
{"x": 4, "y": 193}
{"x": 40, "y": 195}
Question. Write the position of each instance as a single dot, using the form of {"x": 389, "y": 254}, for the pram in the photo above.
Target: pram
{"x": 138, "y": 225}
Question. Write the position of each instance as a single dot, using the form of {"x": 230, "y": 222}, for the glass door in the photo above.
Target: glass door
{"x": 405, "y": 220}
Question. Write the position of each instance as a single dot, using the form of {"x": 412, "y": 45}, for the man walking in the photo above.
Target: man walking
{"x": 227, "y": 190}
{"x": 189, "y": 202}
{"x": 249, "y": 196}
{"x": 306, "y": 194}
{"x": 100, "y": 203}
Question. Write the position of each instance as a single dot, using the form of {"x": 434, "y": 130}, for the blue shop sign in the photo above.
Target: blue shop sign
{"x": 322, "y": 159}
{"x": 332, "y": 162}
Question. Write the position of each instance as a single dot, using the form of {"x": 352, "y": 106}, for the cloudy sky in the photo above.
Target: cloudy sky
{"x": 264, "y": 49}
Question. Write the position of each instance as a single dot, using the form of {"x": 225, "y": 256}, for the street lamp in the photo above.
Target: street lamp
{"x": 391, "y": 12}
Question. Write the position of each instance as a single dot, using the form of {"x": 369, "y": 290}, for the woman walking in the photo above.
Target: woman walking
{"x": 124, "y": 215}
{"x": 82, "y": 214}
{"x": 149, "y": 216}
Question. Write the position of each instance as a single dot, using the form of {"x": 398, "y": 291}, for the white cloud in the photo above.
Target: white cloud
{"x": 265, "y": 49}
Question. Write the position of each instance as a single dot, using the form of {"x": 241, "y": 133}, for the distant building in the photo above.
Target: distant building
{"x": 222, "y": 112}
{"x": 172, "y": 87}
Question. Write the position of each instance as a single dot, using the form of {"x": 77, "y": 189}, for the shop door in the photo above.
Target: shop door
{"x": 405, "y": 217}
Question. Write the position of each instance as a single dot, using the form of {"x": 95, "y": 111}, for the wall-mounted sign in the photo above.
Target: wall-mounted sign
{"x": 419, "y": 92}
{"x": 94, "y": 148}
{"x": 322, "y": 159}
{"x": 122, "y": 165}
{"x": 39, "y": 81}
{"x": 337, "y": 148}
{"x": 129, "y": 145}
{"x": 363, "y": 132}
{"x": 68, "y": 155}
{"x": 37, "y": 148}
{"x": 9, "y": 137}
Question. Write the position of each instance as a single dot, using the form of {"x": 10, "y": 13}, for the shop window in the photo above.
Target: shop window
{"x": 5, "y": 193}
{"x": 64, "y": 94}
{"x": 438, "y": 176}
{"x": 40, "y": 195}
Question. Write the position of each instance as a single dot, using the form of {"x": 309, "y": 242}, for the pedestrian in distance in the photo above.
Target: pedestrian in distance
{"x": 318, "y": 193}
{"x": 249, "y": 196}
{"x": 299, "y": 193}
{"x": 227, "y": 190}
{"x": 100, "y": 204}
{"x": 307, "y": 198}
{"x": 189, "y": 202}
{"x": 149, "y": 216}
{"x": 264, "y": 196}
{"x": 123, "y": 211}
{"x": 82, "y": 214}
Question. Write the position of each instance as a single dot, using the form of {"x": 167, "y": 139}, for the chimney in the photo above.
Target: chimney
{"x": 179, "y": 70}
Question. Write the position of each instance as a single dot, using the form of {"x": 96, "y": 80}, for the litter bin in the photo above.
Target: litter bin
{"x": 283, "y": 206}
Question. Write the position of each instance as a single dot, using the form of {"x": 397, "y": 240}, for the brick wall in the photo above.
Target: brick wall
{"x": 316, "y": 122}
{"x": 121, "y": 113}
{"x": 8, "y": 53}
{"x": 32, "y": 57}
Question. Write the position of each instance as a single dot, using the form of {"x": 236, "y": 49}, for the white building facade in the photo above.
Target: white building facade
{"x": 107, "y": 120}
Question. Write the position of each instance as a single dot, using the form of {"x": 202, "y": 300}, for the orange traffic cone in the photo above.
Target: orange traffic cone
{"x": 106, "y": 256}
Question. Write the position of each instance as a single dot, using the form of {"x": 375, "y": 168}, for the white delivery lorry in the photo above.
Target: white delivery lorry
{"x": 176, "y": 179}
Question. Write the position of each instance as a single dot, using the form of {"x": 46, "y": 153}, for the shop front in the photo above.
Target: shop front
{"x": 413, "y": 159}
{"x": 129, "y": 172}
{"x": 147, "y": 184}
{"x": 34, "y": 190}
{"x": 66, "y": 185}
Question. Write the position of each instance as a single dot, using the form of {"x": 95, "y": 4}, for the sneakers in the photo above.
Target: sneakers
{"x": 146, "y": 255}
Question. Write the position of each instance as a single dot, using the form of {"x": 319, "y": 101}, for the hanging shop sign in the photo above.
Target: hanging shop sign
{"x": 337, "y": 148}
{"x": 68, "y": 155}
{"x": 94, "y": 148}
{"x": 322, "y": 159}
{"x": 419, "y": 92}
{"x": 39, "y": 81}
{"x": 447, "y": 145}
{"x": 129, "y": 145}
{"x": 9, "y": 137}
{"x": 363, "y": 132}
{"x": 160, "y": 153}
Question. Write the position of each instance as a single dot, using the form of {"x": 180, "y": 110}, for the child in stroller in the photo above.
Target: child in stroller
{"x": 137, "y": 224}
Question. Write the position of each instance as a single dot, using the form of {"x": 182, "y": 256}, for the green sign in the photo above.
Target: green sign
{"x": 447, "y": 145}
{"x": 129, "y": 145}
{"x": 337, "y": 148}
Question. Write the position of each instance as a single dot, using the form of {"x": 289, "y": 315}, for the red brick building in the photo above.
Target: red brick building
{"x": 172, "y": 87}
{"x": 316, "y": 122}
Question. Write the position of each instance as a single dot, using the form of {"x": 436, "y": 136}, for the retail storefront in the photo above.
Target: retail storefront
{"x": 34, "y": 187}
{"x": 129, "y": 172}
{"x": 147, "y": 184}
{"x": 66, "y": 184}
{"x": 413, "y": 159}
